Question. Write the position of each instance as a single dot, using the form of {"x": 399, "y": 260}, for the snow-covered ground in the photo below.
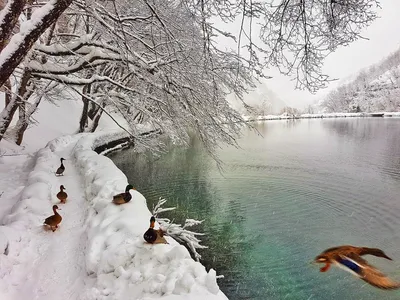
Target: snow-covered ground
{"x": 98, "y": 252}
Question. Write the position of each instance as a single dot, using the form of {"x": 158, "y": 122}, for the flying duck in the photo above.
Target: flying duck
{"x": 349, "y": 258}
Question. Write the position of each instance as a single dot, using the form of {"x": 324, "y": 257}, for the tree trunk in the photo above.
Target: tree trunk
{"x": 93, "y": 110}
{"x": 21, "y": 110}
{"x": 8, "y": 112}
{"x": 20, "y": 132}
{"x": 11, "y": 59}
{"x": 83, "y": 122}
{"x": 7, "y": 115}
{"x": 22, "y": 124}
{"x": 7, "y": 86}
{"x": 13, "y": 9}
{"x": 96, "y": 119}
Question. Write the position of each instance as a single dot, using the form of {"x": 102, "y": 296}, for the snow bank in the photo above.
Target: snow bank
{"x": 123, "y": 265}
{"x": 118, "y": 263}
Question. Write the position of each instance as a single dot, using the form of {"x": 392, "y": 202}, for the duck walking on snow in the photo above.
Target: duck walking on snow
{"x": 61, "y": 195}
{"x": 53, "y": 220}
{"x": 61, "y": 169}
{"x": 153, "y": 236}
{"x": 349, "y": 258}
{"x": 124, "y": 197}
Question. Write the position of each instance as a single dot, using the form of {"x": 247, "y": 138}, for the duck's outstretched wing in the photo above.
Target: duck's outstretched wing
{"x": 359, "y": 267}
{"x": 374, "y": 277}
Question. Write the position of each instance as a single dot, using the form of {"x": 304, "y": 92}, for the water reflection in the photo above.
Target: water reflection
{"x": 183, "y": 178}
{"x": 284, "y": 197}
{"x": 382, "y": 135}
{"x": 356, "y": 128}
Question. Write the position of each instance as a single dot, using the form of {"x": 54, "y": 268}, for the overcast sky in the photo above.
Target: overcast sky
{"x": 384, "y": 38}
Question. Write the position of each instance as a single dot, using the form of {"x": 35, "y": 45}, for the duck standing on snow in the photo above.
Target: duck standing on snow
{"x": 349, "y": 259}
{"x": 61, "y": 195}
{"x": 124, "y": 197}
{"x": 61, "y": 169}
{"x": 53, "y": 220}
{"x": 153, "y": 236}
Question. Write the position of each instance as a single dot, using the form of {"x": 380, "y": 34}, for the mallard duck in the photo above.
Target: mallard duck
{"x": 349, "y": 258}
{"x": 62, "y": 195}
{"x": 61, "y": 169}
{"x": 53, "y": 220}
{"x": 153, "y": 236}
{"x": 123, "y": 197}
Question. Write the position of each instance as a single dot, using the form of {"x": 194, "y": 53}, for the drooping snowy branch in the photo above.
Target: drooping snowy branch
{"x": 159, "y": 209}
{"x": 159, "y": 63}
{"x": 179, "y": 232}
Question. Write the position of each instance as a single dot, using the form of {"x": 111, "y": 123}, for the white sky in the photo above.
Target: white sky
{"x": 384, "y": 38}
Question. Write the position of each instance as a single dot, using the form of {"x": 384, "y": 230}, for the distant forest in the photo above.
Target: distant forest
{"x": 376, "y": 88}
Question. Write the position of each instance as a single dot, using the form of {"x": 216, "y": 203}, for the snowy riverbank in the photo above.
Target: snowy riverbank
{"x": 320, "y": 116}
{"x": 98, "y": 251}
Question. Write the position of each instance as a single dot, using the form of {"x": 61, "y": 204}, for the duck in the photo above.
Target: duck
{"x": 153, "y": 236}
{"x": 53, "y": 220}
{"x": 62, "y": 195}
{"x": 123, "y": 197}
{"x": 61, "y": 169}
{"x": 349, "y": 258}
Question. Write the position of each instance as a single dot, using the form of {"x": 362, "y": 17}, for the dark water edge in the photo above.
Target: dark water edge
{"x": 301, "y": 187}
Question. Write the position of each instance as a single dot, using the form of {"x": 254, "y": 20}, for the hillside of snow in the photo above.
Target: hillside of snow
{"x": 374, "y": 89}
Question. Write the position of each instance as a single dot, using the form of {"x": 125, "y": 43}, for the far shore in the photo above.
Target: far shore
{"x": 321, "y": 116}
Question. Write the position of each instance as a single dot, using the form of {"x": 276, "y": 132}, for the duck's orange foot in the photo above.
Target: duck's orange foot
{"x": 326, "y": 268}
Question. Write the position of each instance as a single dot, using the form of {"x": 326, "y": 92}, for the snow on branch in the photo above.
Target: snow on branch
{"x": 178, "y": 232}
{"x": 83, "y": 45}
{"x": 19, "y": 45}
{"x": 159, "y": 209}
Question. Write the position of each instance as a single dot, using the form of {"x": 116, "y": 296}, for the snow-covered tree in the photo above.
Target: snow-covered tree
{"x": 159, "y": 62}
{"x": 376, "y": 88}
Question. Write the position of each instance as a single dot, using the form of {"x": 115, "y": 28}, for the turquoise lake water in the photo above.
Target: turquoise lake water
{"x": 293, "y": 189}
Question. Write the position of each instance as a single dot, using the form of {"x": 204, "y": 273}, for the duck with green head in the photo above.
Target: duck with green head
{"x": 124, "y": 197}
{"x": 349, "y": 258}
{"x": 153, "y": 236}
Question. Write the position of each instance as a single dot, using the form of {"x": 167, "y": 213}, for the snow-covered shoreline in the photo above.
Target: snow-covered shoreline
{"x": 319, "y": 116}
{"x": 107, "y": 254}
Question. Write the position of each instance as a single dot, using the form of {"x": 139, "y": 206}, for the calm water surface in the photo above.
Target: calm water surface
{"x": 301, "y": 187}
